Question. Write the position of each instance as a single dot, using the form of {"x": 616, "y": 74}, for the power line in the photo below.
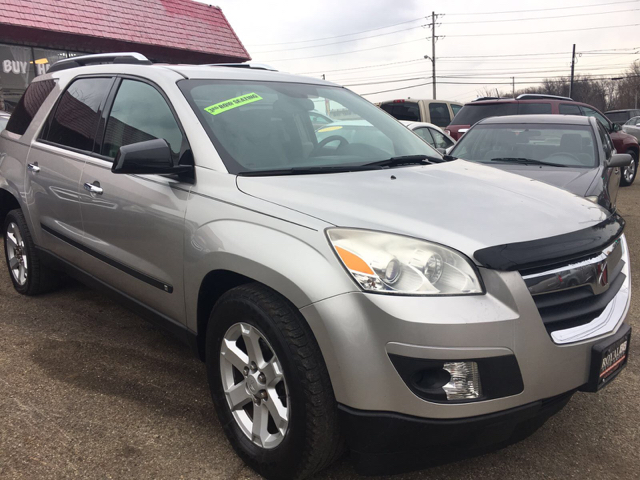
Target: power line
{"x": 372, "y": 67}
{"x": 340, "y": 36}
{"x": 448, "y": 14}
{"x": 544, "y": 18}
{"x": 540, "y": 78}
{"x": 543, "y": 9}
{"x": 342, "y": 41}
{"x": 545, "y": 53}
{"x": 493, "y": 72}
{"x": 350, "y": 51}
{"x": 542, "y": 31}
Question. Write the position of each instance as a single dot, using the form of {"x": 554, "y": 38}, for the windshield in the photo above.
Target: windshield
{"x": 269, "y": 126}
{"x": 565, "y": 145}
{"x": 472, "y": 113}
{"x": 618, "y": 117}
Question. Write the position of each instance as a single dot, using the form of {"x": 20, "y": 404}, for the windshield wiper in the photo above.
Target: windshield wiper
{"x": 405, "y": 160}
{"x": 526, "y": 161}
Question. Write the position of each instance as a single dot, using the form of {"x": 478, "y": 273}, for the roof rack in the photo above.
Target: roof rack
{"x": 536, "y": 96}
{"x": 119, "y": 57}
{"x": 252, "y": 65}
{"x": 489, "y": 98}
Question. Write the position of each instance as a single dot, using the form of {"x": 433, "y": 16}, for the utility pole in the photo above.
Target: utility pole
{"x": 513, "y": 86}
{"x": 573, "y": 64}
{"x": 433, "y": 50}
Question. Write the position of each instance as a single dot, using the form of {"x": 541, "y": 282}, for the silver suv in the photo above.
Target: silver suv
{"x": 343, "y": 294}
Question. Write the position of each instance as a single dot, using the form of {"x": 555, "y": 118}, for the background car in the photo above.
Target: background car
{"x": 318, "y": 119}
{"x": 431, "y": 134}
{"x": 632, "y": 127}
{"x": 438, "y": 112}
{"x": 622, "y": 116}
{"x": 533, "y": 104}
{"x": 4, "y": 118}
{"x": 359, "y": 132}
{"x": 571, "y": 152}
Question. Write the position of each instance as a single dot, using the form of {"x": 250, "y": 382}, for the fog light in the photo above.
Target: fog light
{"x": 465, "y": 381}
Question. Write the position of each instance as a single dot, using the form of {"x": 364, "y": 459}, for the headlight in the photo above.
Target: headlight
{"x": 388, "y": 263}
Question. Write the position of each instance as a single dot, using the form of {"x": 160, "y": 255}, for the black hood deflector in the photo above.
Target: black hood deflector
{"x": 552, "y": 251}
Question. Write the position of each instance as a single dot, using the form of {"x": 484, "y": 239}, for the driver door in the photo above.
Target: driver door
{"x": 134, "y": 224}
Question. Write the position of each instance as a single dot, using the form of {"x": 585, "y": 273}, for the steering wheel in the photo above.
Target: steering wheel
{"x": 562, "y": 154}
{"x": 326, "y": 141}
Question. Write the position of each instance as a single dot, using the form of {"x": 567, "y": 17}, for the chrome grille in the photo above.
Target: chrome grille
{"x": 575, "y": 297}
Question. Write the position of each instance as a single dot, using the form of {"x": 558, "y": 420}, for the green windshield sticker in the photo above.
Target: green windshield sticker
{"x": 232, "y": 103}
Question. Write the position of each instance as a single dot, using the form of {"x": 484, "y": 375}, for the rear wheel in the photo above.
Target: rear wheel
{"x": 270, "y": 385}
{"x": 629, "y": 173}
{"x": 27, "y": 273}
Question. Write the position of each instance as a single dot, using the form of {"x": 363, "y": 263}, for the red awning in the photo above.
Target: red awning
{"x": 164, "y": 30}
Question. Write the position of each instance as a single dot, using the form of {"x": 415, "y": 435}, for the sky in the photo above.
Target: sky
{"x": 379, "y": 45}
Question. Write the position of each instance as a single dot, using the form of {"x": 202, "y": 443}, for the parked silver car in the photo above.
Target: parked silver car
{"x": 569, "y": 151}
{"x": 632, "y": 127}
{"x": 367, "y": 296}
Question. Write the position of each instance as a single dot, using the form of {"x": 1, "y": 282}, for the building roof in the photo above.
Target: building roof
{"x": 165, "y": 30}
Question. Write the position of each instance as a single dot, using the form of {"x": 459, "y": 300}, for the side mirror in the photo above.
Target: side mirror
{"x": 146, "y": 158}
{"x": 619, "y": 160}
{"x": 615, "y": 127}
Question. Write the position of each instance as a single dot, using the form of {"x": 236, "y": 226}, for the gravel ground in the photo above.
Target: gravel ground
{"x": 90, "y": 390}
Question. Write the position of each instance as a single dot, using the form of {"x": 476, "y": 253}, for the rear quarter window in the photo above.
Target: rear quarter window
{"x": 28, "y": 106}
{"x": 473, "y": 113}
{"x": 409, "y": 111}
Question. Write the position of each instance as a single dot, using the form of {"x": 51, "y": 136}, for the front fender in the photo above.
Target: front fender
{"x": 293, "y": 260}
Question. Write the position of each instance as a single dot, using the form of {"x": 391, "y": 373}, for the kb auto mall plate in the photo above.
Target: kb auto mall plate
{"x": 608, "y": 358}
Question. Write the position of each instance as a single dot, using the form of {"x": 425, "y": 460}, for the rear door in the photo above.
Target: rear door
{"x": 55, "y": 164}
{"x": 134, "y": 224}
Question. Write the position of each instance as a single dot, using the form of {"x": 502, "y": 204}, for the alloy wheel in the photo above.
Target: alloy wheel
{"x": 16, "y": 254}
{"x": 254, "y": 385}
{"x": 630, "y": 171}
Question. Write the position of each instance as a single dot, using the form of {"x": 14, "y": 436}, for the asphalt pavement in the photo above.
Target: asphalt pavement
{"x": 89, "y": 390}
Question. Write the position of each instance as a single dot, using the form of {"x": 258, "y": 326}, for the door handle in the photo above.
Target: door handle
{"x": 93, "y": 188}
{"x": 33, "y": 167}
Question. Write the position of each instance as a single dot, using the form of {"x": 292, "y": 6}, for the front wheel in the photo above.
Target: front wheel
{"x": 270, "y": 385}
{"x": 629, "y": 173}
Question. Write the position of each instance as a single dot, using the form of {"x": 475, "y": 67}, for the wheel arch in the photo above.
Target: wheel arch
{"x": 8, "y": 202}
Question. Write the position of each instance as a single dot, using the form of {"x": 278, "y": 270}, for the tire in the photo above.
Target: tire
{"x": 311, "y": 439}
{"x": 28, "y": 275}
{"x": 629, "y": 174}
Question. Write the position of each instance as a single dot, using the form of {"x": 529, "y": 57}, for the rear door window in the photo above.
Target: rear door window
{"x": 569, "y": 109}
{"x": 424, "y": 134}
{"x": 439, "y": 114}
{"x": 473, "y": 113}
{"x": 75, "y": 121}
{"x": 409, "y": 111}
{"x": 455, "y": 108}
{"x": 534, "y": 108}
{"x": 29, "y": 105}
{"x": 440, "y": 140}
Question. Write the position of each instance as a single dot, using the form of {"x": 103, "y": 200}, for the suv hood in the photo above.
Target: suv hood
{"x": 460, "y": 204}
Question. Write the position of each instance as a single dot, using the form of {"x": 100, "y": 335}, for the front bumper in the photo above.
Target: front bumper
{"x": 357, "y": 332}
{"x": 385, "y": 443}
